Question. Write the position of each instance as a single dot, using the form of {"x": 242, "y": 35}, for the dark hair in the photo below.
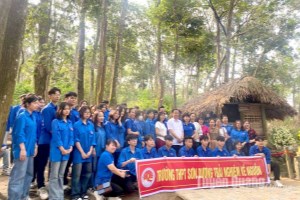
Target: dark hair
{"x": 220, "y": 138}
{"x": 61, "y": 107}
{"x": 40, "y": 98}
{"x": 82, "y": 101}
{"x": 161, "y": 107}
{"x": 111, "y": 141}
{"x": 188, "y": 138}
{"x": 53, "y": 90}
{"x": 100, "y": 106}
{"x": 240, "y": 123}
{"x": 29, "y": 98}
{"x": 259, "y": 138}
{"x": 22, "y": 96}
{"x": 95, "y": 120}
{"x": 148, "y": 137}
{"x": 159, "y": 116}
{"x": 83, "y": 109}
{"x": 70, "y": 94}
{"x": 237, "y": 142}
{"x": 105, "y": 102}
{"x": 169, "y": 137}
{"x": 224, "y": 116}
{"x": 150, "y": 111}
{"x": 111, "y": 114}
{"x": 131, "y": 137}
{"x": 175, "y": 110}
{"x": 203, "y": 137}
{"x": 130, "y": 109}
{"x": 185, "y": 115}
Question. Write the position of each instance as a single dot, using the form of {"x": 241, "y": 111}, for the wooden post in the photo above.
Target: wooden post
{"x": 264, "y": 120}
{"x": 288, "y": 163}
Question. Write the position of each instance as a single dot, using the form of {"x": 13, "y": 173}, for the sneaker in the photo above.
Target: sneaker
{"x": 33, "y": 185}
{"x": 114, "y": 198}
{"x": 97, "y": 196}
{"x": 66, "y": 187}
{"x": 85, "y": 197}
{"x": 79, "y": 198}
{"x": 277, "y": 183}
{"x": 43, "y": 193}
{"x": 6, "y": 172}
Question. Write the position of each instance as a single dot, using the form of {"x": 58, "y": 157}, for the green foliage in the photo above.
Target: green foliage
{"x": 282, "y": 136}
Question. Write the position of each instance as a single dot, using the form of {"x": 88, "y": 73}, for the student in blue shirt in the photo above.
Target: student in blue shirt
{"x": 188, "y": 127}
{"x": 48, "y": 114}
{"x": 24, "y": 149}
{"x": 107, "y": 111}
{"x": 203, "y": 150}
{"x": 187, "y": 150}
{"x": 71, "y": 99}
{"x": 85, "y": 140}
{"x": 167, "y": 150}
{"x": 131, "y": 127}
{"x": 100, "y": 133}
{"x": 238, "y": 134}
{"x": 238, "y": 149}
{"x": 116, "y": 131}
{"x": 149, "y": 151}
{"x": 260, "y": 150}
{"x": 61, "y": 146}
{"x": 220, "y": 150}
{"x": 127, "y": 160}
{"x": 105, "y": 170}
{"x": 150, "y": 124}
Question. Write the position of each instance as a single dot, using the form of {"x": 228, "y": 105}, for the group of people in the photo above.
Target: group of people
{"x": 98, "y": 146}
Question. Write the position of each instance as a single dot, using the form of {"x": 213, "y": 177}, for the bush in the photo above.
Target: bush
{"x": 282, "y": 136}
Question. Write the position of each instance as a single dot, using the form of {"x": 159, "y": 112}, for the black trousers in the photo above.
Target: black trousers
{"x": 176, "y": 148}
{"x": 276, "y": 170}
{"x": 68, "y": 169}
{"x": 42, "y": 158}
{"x": 116, "y": 191}
{"x": 128, "y": 184}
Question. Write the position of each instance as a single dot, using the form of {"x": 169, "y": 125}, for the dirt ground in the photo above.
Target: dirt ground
{"x": 290, "y": 191}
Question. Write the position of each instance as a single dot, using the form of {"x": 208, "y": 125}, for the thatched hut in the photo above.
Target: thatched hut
{"x": 246, "y": 99}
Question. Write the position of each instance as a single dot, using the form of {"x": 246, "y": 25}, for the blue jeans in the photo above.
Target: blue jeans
{"x": 5, "y": 154}
{"x": 56, "y": 181}
{"x": 20, "y": 179}
{"x": 81, "y": 174}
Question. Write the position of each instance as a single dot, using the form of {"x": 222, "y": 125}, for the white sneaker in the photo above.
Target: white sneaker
{"x": 33, "y": 185}
{"x": 97, "y": 196}
{"x": 277, "y": 183}
{"x": 114, "y": 198}
{"x": 66, "y": 187}
{"x": 43, "y": 193}
{"x": 6, "y": 171}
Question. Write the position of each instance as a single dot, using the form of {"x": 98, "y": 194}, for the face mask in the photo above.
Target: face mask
{"x": 140, "y": 118}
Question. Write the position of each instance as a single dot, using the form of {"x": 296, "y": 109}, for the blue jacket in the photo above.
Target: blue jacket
{"x": 149, "y": 154}
{"x": 239, "y": 135}
{"x": 74, "y": 115}
{"x": 48, "y": 114}
{"x": 85, "y": 135}
{"x": 125, "y": 155}
{"x": 163, "y": 151}
{"x": 24, "y": 131}
{"x": 150, "y": 128}
{"x": 12, "y": 116}
{"x": 183, "y": 151}
{"x": 62, "y": 135}
{"x": 254, "y": 150}
{"x": 188, "y": 129}
{"x": 130, "y": 124}
{"x": 202, "y": 153}
{"x": 218, "y": 152}
{"x": 235, "y": 152}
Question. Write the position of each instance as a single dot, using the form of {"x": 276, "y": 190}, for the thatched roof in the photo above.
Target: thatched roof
{"x": 244, "y": 90}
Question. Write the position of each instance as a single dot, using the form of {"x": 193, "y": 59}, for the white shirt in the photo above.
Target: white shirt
{"x": 198, "y": 130}
{"x": 162, "y": 130}
{"x": 177, "y": 127}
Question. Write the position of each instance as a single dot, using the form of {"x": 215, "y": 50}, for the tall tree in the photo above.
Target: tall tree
{"x": 41, "y": 72}
{"x": 103, "y": 55}
{"x": 9, "y": 59}
{"x": 116, "y": 64}
{"x": 81, "y": 51}
{"x": 4, "y": 9}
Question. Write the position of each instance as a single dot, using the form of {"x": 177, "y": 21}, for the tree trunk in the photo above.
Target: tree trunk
{"x": 93, "y": 97}
{"x": 228, "y": 40}
{"x": 9, "y": 59}
{"x": 174, "y": 70}
{"x": 41, "y": 69}
{"x": 4, "y": 11}
{"x": 103, "y": 56}
{"x": 81, "y": 45}
{"x": 158, "y": 65}
{"x": 115, "y": 70}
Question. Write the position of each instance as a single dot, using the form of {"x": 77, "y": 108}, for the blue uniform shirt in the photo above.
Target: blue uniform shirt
{"x": 24, "y": 131}
{"x": 38, "y": 118}
{"x": 228, "y": 127}
{"x": 103, "y": 174}
{"x": 235, "y": 152}
{"x": 48, "y": 114}
{"x": 239, "y": 135}
{"x": 115, "y": 132}
{"x": 150, "y": 128}
{"x": 12, "y": 116}
{"x": 106, "y": 115}
{"x": 188, "y": 129}
{"x": 62, "y": 135}
{"x": 218, "y": 152}
{"x": 254, "y": 150}
{"x": 85, "y": 135}
{"x": 129, "y": 123}
{"x": 183, "y": 151}
{"x": 204, "y": 153}
{"x": 163, "y": 151}
{"x": 149, "y": 154}
{"x": 125, "y": 155}
{"x": 100, "y": 140}
{"x": 74, "y": 115}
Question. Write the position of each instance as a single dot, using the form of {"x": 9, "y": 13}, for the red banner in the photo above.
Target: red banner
{"x": 172, "y": 174}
